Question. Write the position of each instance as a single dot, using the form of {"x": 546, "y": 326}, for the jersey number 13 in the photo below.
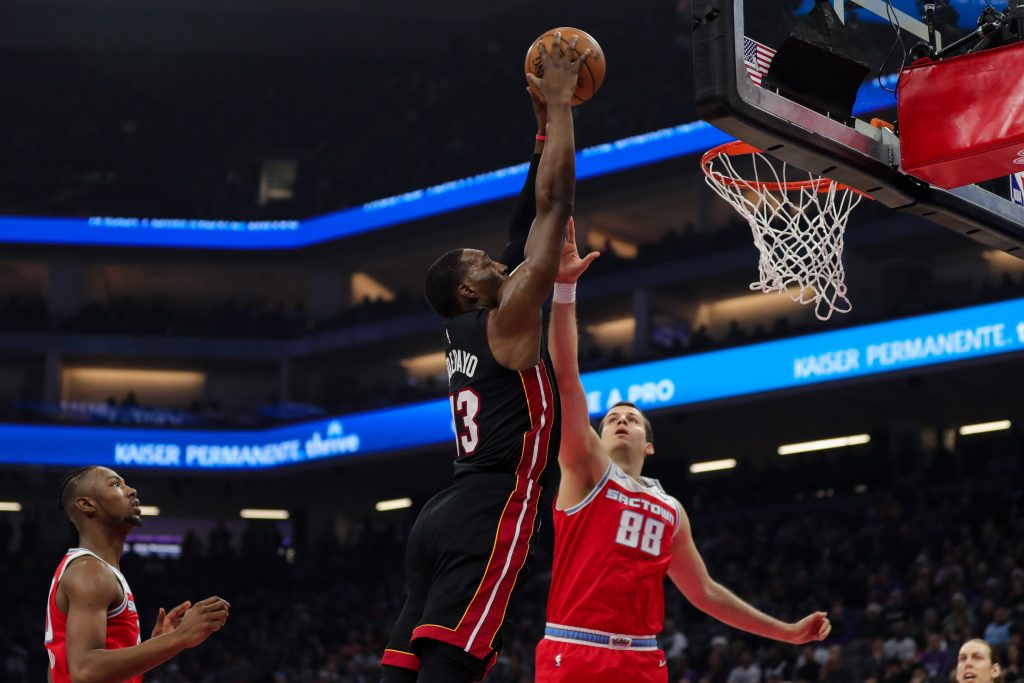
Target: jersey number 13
{"x": 465, "y": 408}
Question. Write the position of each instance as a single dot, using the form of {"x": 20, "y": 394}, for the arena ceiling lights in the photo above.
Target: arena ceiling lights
{"x": 149, "y": 510}
{"x": 713, "y": 466}
{"x": 396, "y": 504}
{"x": 824, "y": 444}
{"x": 9, "y": 506}
{"x": 257, "y": 513}
{"x": 983, "y": 427}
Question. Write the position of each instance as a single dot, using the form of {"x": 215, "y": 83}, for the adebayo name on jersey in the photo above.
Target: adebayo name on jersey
{"x": 458, "y": 360}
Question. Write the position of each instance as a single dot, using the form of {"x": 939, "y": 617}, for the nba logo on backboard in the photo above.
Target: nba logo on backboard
{"x": 1017, "y": 188}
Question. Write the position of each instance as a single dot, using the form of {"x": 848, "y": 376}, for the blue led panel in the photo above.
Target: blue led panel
{"x": 934, "y": 339}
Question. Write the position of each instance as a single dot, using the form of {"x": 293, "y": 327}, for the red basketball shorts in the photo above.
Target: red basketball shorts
{"x": 560, "y": 662}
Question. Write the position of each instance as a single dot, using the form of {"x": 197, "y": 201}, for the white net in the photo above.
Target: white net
{"x": 797, "y": 225}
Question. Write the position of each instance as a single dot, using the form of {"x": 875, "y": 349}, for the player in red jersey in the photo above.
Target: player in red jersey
{"x": 92, "y": 626}
{"x": 617, "y": 534}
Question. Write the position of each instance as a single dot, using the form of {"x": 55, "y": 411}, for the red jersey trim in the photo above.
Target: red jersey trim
{"x": 404, "y": 660}
{"x": 479, "y": 625}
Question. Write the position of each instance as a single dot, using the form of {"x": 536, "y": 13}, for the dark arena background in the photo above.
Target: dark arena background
{"x": 216, "y": 216}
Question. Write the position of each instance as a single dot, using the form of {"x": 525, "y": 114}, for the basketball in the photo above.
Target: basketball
{"x": 591, "y": 71}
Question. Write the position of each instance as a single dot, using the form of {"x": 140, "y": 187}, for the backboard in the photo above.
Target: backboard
{"x": 734, "y": 42}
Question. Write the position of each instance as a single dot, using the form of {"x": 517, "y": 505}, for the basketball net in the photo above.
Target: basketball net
{"x": 797, "y": 225}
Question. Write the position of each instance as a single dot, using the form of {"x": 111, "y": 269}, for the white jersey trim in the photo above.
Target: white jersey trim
{"x": 651, "y": 487}
{"x": 592, "y": 495}
{"x": 75, "y": 553}
{"x": 679, "y": 511}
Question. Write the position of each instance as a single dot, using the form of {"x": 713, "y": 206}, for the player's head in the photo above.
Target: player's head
{"x": 99, "y": 494}
{"x": 625, "y": 428}
{"x": 462, "y": 280}
{"x": 977, "y": 662}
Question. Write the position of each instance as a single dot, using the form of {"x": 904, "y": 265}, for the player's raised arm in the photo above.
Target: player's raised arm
{"x": 90, "y": 589}
{"x": 689, "y": 573}
{"x": 515, "y": 324}
{"x": 526, "y": 205}
{"x": 580, "y": 454}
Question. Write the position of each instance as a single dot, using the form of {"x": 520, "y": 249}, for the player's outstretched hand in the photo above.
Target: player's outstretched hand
{"x": 202, "y": 619}
{"x": 571, "y": 266}
{"x": 168, "y": 621}
{"x": 812, "y": 627}
{"x": 560, "y": 71}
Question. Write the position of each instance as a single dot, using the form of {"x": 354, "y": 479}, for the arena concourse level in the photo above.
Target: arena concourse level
{"x": 216, "y": 219}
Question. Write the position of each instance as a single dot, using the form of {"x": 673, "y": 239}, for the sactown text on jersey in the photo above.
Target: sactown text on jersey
{"x": 647, "y": 505}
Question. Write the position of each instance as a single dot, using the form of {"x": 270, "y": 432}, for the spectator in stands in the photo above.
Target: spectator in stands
{"x": 873, "y": 668}
{"x": 807, "y": 666}
{"x": 936, "y": 659}
{"x": 745, "y": 671}
{"x": 835, "y": 670}
{"x": 998, "y": 632}
{"x": 672, "y": 640}
{"x": 960, "y": 614}
{"x": 900, "y": 645}
{"x": 871, "y": 625}
{"x": 1012, "y": 667}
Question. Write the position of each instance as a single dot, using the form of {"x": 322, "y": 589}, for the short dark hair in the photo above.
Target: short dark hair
{"x": 441, "y": 286}
{"x": 648, "y": 429}
{"x": 69, "y": 485}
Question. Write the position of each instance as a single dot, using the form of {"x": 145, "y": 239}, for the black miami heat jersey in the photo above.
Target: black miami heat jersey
{"x": 506, "y": 421}
{"x": 470, "y": 542}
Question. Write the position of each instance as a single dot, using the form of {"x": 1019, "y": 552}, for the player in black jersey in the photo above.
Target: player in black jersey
{"x": 470, "y": 541}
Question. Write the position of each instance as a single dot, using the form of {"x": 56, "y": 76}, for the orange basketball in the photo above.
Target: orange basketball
{"x": 591, "y": 71}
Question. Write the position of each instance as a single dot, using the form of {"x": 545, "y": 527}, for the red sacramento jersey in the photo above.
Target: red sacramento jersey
{"x": 506, "y": 421}
{"x": 122, "y": 621}
{"x": 612, "y": 553}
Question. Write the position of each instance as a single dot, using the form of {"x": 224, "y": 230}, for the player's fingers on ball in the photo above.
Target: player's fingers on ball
{"x": 556, "y": 43}
{"x": 572, "y": 43}
{"x": 543, "y": 50}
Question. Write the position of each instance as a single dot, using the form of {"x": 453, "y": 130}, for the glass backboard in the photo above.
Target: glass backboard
{"x": 734, "y": 43}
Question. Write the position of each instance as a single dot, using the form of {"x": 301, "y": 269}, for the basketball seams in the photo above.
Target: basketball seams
{"x": 594, "y": 85}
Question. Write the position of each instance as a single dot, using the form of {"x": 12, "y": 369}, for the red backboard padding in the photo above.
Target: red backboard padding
{"x": 961, "y": 120}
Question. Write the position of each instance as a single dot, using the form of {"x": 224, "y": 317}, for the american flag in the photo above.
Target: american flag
{"x": 757, "y": 58}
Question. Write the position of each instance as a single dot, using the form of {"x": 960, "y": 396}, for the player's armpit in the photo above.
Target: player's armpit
{"x": 514, "y": 334}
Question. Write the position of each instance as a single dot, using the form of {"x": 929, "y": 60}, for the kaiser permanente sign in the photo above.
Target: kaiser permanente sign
{"x": 975, "y": 332}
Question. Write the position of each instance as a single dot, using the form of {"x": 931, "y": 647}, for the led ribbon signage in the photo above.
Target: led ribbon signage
{"x": 688, "y": 138}
{"x": 925, "y": 340}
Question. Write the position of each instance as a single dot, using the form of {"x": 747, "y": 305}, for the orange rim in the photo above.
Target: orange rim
{"x": 739, "y": 148}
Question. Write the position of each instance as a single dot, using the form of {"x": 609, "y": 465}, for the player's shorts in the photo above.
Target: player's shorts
{"x": 568, "y": 660}
{"x": 463, "y": 559}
